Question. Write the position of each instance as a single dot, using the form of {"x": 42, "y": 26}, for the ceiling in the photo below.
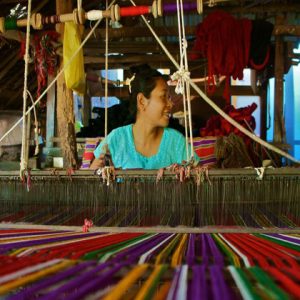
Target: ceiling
{"x": 130, "y": 44}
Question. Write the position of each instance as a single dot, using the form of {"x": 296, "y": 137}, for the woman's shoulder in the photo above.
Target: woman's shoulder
{"x": 173, "y": 133}
{"x": 122, "y": 131}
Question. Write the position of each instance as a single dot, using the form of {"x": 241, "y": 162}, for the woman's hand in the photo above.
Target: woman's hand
{"x": 98, "y": 162}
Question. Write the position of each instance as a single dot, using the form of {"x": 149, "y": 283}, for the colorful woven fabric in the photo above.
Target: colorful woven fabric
{"x": 88, "y": 155}
{"x": 205, "y": 149}
{"x": 42, "y": 264}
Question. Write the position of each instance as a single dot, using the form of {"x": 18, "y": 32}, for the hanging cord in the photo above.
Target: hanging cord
{"x": 213, "y": 105}
{"x": 182, "y": 76}
{"x": 180, "y": 89}
{"x": 106, "y": 75}
{"x": 186, "y": 81}
{"x": 36, "y": 125}
{"x": 57, "y": 76}
{"x": 24, "y": 152}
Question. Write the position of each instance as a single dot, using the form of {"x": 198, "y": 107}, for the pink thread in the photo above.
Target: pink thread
{"x": 87, "y": 225}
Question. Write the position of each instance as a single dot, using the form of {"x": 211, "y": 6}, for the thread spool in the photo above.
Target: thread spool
{"x": 156, "y": 9}
{"x": 116, "y": 13}
{"x": 2, "y": 27}
{"x": 200, "y": 7}
{"x": 172, "y": 7}
{"x": 36, "y": 21}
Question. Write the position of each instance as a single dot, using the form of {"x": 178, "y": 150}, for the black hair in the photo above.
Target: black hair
{"x": 144, "y": 82}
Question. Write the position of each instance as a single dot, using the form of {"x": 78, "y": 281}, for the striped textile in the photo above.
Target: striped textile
{"x": 205, "y": 149}
{"x": 88, "y": 155}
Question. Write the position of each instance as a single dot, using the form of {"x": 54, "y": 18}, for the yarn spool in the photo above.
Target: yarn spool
{"x": 156, "y": 9}
{"x": 189, "y": 6}
{"x": 2, "y": 27}
{"x": 200, "y": 7}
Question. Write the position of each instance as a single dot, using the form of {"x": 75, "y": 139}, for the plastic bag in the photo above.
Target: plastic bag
{"x": 74, "y": 73}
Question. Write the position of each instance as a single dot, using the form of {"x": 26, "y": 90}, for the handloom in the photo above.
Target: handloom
{"x": 173, "y": 259}
{"x": 230, "y": 197}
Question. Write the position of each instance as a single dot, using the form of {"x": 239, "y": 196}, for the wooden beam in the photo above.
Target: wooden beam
{"x": 122, "y": 92}
{"x": 293, "y": 30}
{"x": 134, "y": 59}
{"x": 140, "y": 31}
{"x": 279, "y": 131}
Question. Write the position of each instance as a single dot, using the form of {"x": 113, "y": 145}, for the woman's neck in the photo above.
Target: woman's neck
{"x": 147, "y": 138}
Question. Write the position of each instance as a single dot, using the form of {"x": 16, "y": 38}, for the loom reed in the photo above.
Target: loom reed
{"x": 141, "y": 201}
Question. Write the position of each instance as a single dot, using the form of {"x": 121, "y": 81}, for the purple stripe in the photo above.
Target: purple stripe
{"x": 286, "y": 238}
{"x": 29, "y": 293}
{"x": 220, "y": 289}
{"x": 218, "y": 257}
{"x": 96, "y": 284}
{"x": 135, "y": 251}
{"x": 198, "y": 286}
{"x": 204, "y": 142}
{"x": 31, "y": 234}
{"x": 190, "y": 253}
{"x": 204, "y": 250}
{"x": 7, "y": 247}
{"x": 90, "y": 146}
{"x": 206, "y": 161}
{"x": 74, "y": 283}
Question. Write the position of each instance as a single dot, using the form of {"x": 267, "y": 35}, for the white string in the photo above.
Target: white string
{"x": 213, "y": 105}
{"x": 180, "y": 83}
{"x": 106, "y": 75}
{"x": 36, "y": 133}
{"x": 57, "y": 76}
{"x": 24, "y": 152}
{"x": 186, "y": 81}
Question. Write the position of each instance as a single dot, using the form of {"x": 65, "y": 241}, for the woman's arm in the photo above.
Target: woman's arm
{"x": 98, "y": 162}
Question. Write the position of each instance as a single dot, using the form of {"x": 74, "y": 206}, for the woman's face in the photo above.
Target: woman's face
{"x": 157, "y": 109}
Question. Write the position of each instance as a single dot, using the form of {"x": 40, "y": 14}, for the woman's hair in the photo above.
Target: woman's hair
{"x": 144, "y": 82}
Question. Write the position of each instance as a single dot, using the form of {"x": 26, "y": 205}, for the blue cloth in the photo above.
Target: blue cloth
{"x": 120, "y": 143}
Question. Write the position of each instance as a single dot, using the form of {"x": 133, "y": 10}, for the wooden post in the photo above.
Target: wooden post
{"x": 86, "y": 108}
{"x": 50, "y": 125}
{"x": 279, "y": 131}
{"x": 65, "y": 103}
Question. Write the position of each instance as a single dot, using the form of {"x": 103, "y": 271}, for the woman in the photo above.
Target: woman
{"x": 148, "y": 143}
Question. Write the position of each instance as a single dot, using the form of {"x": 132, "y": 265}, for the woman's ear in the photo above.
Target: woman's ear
{"x": 141, "y": 102}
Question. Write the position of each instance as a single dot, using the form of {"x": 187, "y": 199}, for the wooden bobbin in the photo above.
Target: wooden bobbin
{"x": 2, "y": 27}
{"x": 36, "y": 21}
{"x": 159, "y": 8}
{"x": 116, "y": 13}
{"x": 154, "y": 9}
{"x": 200, "y": 7}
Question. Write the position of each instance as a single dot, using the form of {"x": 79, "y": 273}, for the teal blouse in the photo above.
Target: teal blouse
{"x": 120, "y": 143}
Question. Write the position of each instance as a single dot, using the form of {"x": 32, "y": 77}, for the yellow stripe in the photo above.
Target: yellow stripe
{"x": 236, "y": 260}
{"x": 126, "y": 282}
{"x": 34, "y": 276}
{"x": 177, "y": 256}
{"x": 160, "y": 257}
{"x": 147, "y": 285}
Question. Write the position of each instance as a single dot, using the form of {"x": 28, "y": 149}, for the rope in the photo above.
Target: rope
{"x": 106, "y": 75}
{"x": 213, "y": 105}
{"x": 57, "y": 76}
{"x": 24, "y": 153}
{"x": 186, "y": 80}
{"x": 36, "y": 132}
{"x": 180, "y": 83}
{"x": 182, "y": 76}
